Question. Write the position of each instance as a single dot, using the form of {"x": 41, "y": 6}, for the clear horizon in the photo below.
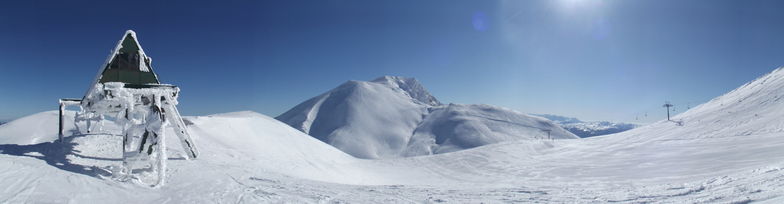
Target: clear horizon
{"x": 593, "y": 60}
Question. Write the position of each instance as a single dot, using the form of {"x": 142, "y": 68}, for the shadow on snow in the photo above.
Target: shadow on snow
{"x": 56, "y": 154}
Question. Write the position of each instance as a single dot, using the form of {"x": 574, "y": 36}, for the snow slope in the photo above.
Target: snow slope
{"x": 395, "y": 116}
{"x": 729, "y": 150}
{"x": 456, "y": 127}
{"x": 33, "y": 129}
{"x": 585, "y": 129}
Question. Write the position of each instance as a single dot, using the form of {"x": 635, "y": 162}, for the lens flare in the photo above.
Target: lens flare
{"x": 479, "y": 21}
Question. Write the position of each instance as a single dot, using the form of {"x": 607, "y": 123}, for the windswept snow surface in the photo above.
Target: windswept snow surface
{"x": 729, "y": 150}
{"x": 395, "y": 116}
{"x": 588, "y": 129}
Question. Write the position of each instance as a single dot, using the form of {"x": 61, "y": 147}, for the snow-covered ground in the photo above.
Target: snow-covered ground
{"x": 396, "y": 116}
{"x": 585, "y": 129}
{"x": 729, "y": 150}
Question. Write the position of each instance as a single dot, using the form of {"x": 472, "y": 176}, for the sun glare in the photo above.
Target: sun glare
{"x": 575, "y": 5}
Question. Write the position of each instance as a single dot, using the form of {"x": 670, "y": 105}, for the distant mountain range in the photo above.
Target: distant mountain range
{"x": 585, "y": 129}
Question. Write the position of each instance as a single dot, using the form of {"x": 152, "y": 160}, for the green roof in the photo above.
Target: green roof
{"x": 129, "y": 65}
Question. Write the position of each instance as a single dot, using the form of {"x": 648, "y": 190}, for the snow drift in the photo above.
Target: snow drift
{"x": 397, "y": 116}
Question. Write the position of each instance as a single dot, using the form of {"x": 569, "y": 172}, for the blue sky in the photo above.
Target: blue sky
{"x": 591, "y": 59}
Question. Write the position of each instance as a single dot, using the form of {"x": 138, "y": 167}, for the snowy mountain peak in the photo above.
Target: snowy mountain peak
{"x": 410, "y": 87}
{"x": 396, "y": 116}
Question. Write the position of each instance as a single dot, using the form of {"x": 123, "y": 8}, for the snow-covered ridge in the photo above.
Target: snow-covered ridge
{"x": 396, "y": 116}
{"x": 585, "y": 129}
{"x": 753, "y": 108}
{"x": 457, "y": 127}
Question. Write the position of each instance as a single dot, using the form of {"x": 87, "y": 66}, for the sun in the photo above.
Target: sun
{"x": 576, "y": 5}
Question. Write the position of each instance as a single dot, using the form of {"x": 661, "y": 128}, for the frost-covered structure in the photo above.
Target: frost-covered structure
{"x": 128, "y": 91}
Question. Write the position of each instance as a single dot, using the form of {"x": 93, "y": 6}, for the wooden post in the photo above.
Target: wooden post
{"x": 548, "y": 134}
{"x": 61, "y": 127}
{"x": 60, "y": 135}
